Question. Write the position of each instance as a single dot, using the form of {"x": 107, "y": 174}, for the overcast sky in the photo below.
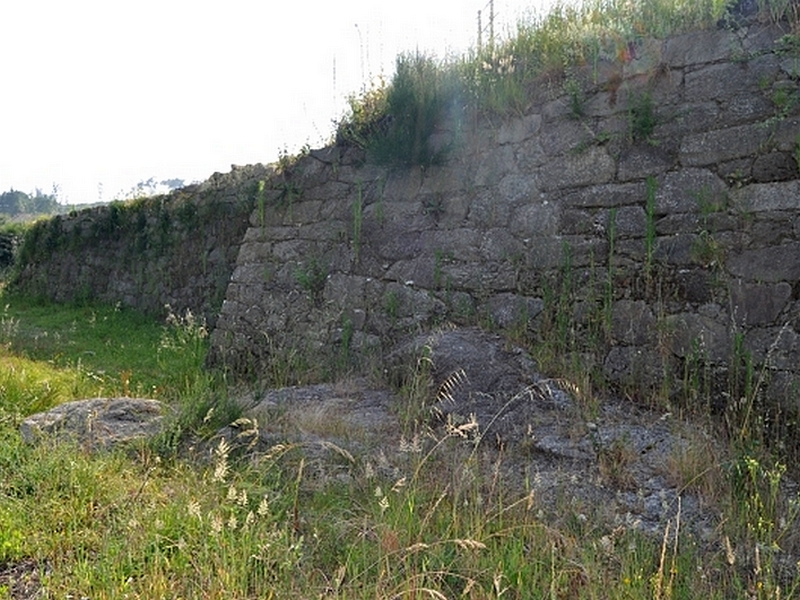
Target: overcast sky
{"x": 98, "y": 95}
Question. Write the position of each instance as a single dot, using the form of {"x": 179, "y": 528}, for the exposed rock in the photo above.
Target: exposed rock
{"x": 605, "y": 458}
{"x": 98, "y": 423}
{"x": 759, "y": 303}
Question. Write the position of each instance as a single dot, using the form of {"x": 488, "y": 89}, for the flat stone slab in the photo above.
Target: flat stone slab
{"x": 96, "y": 423}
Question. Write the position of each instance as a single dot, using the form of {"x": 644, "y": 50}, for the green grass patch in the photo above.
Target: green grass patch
{"x": 118, "y": 350}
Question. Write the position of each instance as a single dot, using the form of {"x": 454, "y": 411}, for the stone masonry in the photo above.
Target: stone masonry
{"x": 178, "y": 249}
{"x": 643, "y": 212}
{"x": 657, "y": 201}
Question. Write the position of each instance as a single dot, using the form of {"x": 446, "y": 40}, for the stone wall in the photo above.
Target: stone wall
{"x": 649, "y": 208}
{"x": 178, "y": 249}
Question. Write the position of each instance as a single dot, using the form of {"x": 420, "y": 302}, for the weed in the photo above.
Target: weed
{"x": 311, "y": 277}
{"x": 391, "y": 304}
{"x": 261, "y": 201}
{"x": 707, "y": 251}
{"x": 288, "y": 192}
{"x": 434, "y": 206}
{"x": 779, "y": 11}
{"x": 358, "y": 221}
{"x": 650, "y": 226}
{"x": 577, "y": 99}
{"x": 614, "y": 462}
{"x": 608, "y": 291}
{"x": 368, "y": 116}
{"x": 642, "y": 117}
{"x": 264, "y": 524}
{"x": 345, "y": 347}
{"x": 393, "y": 120}
{"x": 797, "y": 151}
{"x": 441, "y": 258}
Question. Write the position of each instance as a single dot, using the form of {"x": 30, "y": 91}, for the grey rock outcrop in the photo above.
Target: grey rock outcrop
{"x": 504, "y": 417}
{"x": 97, "y": 423}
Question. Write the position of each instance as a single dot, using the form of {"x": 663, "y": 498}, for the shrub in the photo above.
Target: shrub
{"x": 394, "y": 123}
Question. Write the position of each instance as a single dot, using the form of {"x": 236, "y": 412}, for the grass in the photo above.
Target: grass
{"x": 148, "y": 523}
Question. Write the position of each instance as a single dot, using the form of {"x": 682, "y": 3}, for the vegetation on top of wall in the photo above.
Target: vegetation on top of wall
{"x": 394, "y": 121}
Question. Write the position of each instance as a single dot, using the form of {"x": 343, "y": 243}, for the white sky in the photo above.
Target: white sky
{"x": 98, "y": 95}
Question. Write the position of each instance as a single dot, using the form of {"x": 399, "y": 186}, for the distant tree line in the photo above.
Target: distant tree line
{"x": 14, "y": 202}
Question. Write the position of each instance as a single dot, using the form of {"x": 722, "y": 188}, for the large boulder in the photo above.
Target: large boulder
{"x": 97, "y": 423}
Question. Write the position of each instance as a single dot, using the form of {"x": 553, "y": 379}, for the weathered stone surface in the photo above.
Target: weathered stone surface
{"x": 498, "y": 245}
{"x": 766, "y": 197}
{"x": 775, "y": 166}
{"x": 563, "y": 135}
{"x": 517, "y": 188}
{"x": 725, "y": 80}
{"x": 461, "y": 244}
{"x": 631, "y": 221}
{"x": 493, "y": 403}
{"x": 511, "y": 310}
{"x": 775, "y": 347}
{"x": 494, "y": 165}
{"x": 538, "y": 218}
{"x": 634, "y": 365}
{"x": 745, "y": 108}
{"x": 522, "y": 211}
{"x": 712, "y": 147}
{"x": 689, "y": 190}
{"x": 643, "y": 160}
{"x": 785, "y": 134}
{"x": 758, "y": 304}
{"x": 699, "y": 337}
{"x": 594, "y": 166}
{"x": 690, "y": 48}
{"x": 486, "y": 212}
{"x": 677, "y": 249}
{"x": 695, "y": 285}
{"x": 632, "y": 323}
{"x": 98, "y": 423}
{"x": 607, "y": 196}
{"x": 776, "y": 263}
{"x": 518, "y": 130}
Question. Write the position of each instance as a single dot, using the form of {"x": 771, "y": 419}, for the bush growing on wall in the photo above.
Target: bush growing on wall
{"x": 394, "y": 123}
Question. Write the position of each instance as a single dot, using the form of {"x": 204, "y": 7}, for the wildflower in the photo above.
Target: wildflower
{"x": 221, "y": 453}
{"x": 232, "y": 494}
{"x": 263, "y": 507}
{"x": 411, "y": 447}
{"x": 216, "y": 525}
{"x": 194, "y": 509}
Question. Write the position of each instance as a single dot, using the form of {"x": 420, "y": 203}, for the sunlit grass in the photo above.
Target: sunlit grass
{"x": 118, "y": 350}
